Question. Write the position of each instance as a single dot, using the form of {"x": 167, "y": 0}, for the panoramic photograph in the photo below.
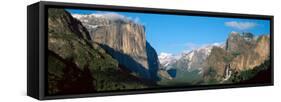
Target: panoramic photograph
{"x": 92, "y": 51}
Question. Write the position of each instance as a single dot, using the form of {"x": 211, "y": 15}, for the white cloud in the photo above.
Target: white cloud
{"x": 241, "y": 25}
{"x": 116, "y": 16}
{"x": 111, "y": 15}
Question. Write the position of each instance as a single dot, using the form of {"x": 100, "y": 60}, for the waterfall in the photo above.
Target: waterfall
{"x": 227, "y": 72}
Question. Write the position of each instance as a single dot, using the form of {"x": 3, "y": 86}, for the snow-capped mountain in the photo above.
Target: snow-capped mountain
{"x": 187, "y": 60}
{"x": 204, "y": 50}
{"x": 167, "y": 59}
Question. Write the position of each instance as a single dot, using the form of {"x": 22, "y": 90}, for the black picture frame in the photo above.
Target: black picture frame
{"x": 37, "y": 47}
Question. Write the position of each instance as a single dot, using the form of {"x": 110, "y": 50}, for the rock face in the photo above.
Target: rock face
{"x": 242, "y": 52}
{"x": 216, "y": 62}
{"x": 125, "y": 40}
{"x": 248, "y": 51}
{"x": 76, "y": 65}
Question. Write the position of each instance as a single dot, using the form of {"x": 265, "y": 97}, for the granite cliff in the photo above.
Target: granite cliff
{"x": 77, "y": 65}
{"x": 242, "y": 52}
{"x": 124, "y": 40}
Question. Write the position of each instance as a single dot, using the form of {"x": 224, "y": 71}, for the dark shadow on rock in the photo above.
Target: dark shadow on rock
{"x": 74, "y": 79}
{"x": 153, "y": 62}
{"x": 172, "y": 72}
{"x": 129, "y": 63}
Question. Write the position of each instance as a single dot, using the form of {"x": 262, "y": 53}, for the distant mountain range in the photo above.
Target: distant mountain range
{"x": 187, "y": 60}
{"x": 240, "y": 52}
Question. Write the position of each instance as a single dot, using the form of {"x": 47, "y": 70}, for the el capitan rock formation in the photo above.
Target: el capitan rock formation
{"x": 76, "y": 65}
{"x": 125, "y": 40}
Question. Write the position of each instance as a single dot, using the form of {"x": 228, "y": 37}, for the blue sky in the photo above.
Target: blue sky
{"x": 177, "y": 33}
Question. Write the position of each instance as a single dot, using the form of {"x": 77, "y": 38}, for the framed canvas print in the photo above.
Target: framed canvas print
{"x": 82, "y": 50}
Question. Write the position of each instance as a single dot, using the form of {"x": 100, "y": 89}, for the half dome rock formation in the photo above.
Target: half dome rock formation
{"x": 125, "y": 40}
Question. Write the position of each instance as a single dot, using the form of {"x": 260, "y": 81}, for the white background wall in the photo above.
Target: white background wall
{"x": 13, "y": 51}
